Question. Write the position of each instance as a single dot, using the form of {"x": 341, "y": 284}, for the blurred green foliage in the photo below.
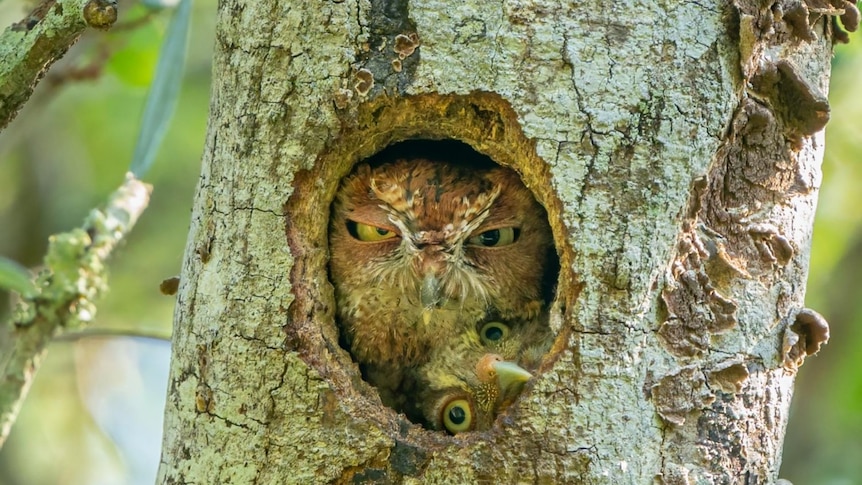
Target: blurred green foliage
{"x": 70, "y": 148}
{"x": 824, "y": 437}
{"x": 135, "y": 62}
{"x": 67, "y": 150}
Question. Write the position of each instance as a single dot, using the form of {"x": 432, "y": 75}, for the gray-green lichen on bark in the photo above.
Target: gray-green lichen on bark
{"x": 631, "y": 123}
{"x": 29, "y": 47}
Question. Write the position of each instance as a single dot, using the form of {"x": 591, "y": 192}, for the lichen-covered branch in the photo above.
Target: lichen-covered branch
{"x": 73, "y": 277}
{"x": 28, "y": 47}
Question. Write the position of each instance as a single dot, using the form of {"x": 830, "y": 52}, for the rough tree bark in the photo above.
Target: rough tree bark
{"x": 676, "y": 146}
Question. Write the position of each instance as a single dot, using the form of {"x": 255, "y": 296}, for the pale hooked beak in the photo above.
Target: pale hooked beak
{"x": 510, "y": 375}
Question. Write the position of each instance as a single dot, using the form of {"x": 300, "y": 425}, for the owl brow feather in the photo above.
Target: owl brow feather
{"x": 392, "y": 216}
{"x": 482, "y": 213}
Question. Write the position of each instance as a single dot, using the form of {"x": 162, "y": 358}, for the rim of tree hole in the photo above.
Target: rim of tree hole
{"x": 481, "y": 129}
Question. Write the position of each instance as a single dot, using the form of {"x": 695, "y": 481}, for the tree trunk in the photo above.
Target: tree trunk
{"x": 676, "y": 147}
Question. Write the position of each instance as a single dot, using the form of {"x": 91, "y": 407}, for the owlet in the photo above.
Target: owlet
{"x": 469, "y": 380}
{"x": 458, "y": 394}
{"x": 422, "y": 251}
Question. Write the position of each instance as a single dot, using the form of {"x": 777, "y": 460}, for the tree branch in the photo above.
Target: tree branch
{"x": 108, "y": 333}
{"x": 73, "y": 277}
{"x": 28, "y": 47}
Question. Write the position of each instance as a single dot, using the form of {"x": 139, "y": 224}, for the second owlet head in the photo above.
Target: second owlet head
{"x": 460, "y": 393}
{"x": 469, "y": 380}
{"x": 423, "y": 250}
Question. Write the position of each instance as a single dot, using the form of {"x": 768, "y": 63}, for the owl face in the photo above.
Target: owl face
{"x": 467, "y": 381}
{"x": 422, "y": 250}
{"x": 466, "y": 392}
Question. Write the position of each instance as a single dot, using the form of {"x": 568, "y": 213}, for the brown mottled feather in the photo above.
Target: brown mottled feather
{"x": 434, "y": 207}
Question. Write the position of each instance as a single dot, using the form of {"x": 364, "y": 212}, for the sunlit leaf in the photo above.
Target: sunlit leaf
{"x": 162, "y": 99}
{"x": 15, "y": 277}
{"x": 135, "y": 63}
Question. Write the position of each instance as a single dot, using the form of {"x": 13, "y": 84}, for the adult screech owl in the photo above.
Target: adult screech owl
{"x": 423, "y": 250}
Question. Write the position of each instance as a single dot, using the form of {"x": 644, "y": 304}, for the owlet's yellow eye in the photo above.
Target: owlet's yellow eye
{"x": 368, "y": 233}
{"x": 493, "y": 333}
{"x": 495, "y": 237}
{"x": 457, "y": 416}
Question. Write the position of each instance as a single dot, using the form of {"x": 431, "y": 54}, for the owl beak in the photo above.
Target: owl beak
{"x": 430, "y": 263}
{"x": 510, "y": 376}
{"x": 430, "y": 291}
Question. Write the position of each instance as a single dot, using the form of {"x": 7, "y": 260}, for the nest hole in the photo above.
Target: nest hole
{"x": 445, "y": 269}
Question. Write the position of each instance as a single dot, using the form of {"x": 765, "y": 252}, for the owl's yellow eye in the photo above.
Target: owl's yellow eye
{"x": 493, "y": 333}
{"x": 495, "y": 237}
{"x": 368, "y": 233}
{"x": 458, "y": 416}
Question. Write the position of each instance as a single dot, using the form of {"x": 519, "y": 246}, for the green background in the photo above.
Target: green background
{"x": 93, "y": 415}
